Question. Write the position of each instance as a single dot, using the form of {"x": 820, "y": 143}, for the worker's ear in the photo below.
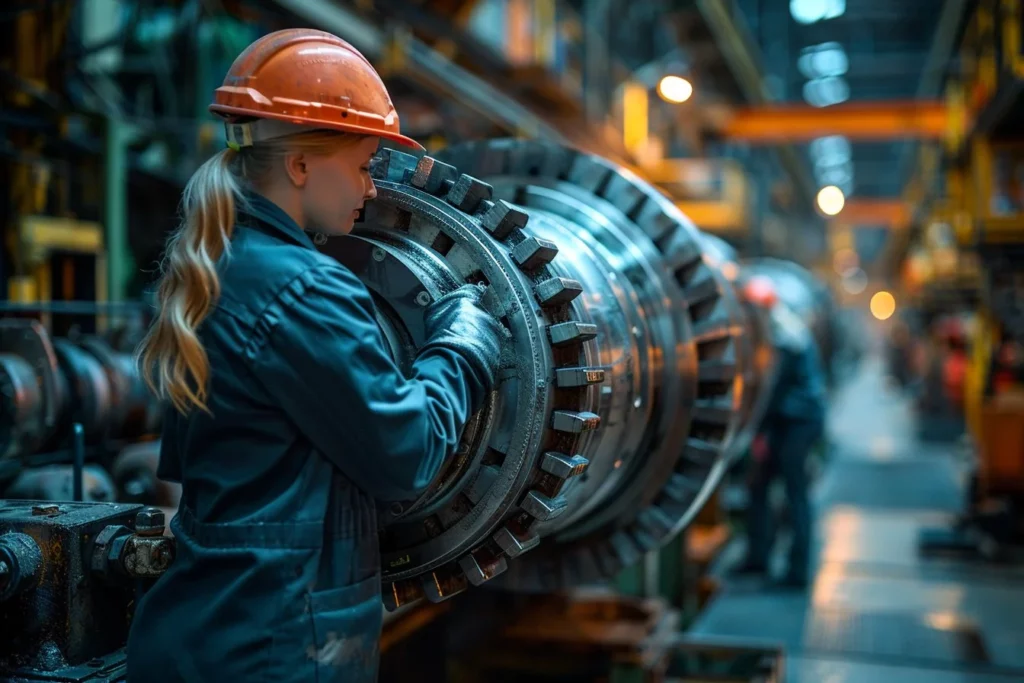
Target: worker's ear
{"x": 296, "y": 168}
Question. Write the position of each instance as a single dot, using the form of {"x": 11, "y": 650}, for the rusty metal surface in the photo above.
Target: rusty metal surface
{"x": 71, "y": 615}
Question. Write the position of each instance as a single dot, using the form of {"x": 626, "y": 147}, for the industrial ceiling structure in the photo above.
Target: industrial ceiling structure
{"x": 874, "y": 72}
{"x": 827, "y": 53}
{"x": 779, "y": 89}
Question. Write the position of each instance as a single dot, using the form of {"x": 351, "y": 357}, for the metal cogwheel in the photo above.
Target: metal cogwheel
{"x": 433, "y": 228}
{"x": 689, "y": 448}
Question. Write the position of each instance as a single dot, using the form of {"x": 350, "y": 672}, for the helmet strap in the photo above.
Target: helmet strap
{"x": 239, "y": 135}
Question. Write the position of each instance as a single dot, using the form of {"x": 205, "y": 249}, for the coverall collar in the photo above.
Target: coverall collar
{"x": 272, "y": 217}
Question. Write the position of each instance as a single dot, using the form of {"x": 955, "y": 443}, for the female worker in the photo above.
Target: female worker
{"x": 289, "y": 418}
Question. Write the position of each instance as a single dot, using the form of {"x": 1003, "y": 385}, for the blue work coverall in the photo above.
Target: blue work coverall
{"x": 793, "y": 423}
{"x": 277, "y": 576}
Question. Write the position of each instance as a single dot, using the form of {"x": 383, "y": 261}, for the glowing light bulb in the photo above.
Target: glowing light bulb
{"x": 883, "y": 305}
{"x": 831, "y": 200}
{"x": 675, "y": 89}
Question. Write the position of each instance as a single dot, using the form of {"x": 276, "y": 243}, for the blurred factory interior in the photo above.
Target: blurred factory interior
{"x": 862, "y": 154}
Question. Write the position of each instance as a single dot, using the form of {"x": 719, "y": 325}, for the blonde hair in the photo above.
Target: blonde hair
{"x": 171, "y": 358}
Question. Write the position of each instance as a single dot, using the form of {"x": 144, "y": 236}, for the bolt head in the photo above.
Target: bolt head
{"x": 150, "y": 522}
{"x": 423, "y": 298}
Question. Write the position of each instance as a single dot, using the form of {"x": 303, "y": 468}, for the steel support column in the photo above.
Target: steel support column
{"x": 120, "y": 264}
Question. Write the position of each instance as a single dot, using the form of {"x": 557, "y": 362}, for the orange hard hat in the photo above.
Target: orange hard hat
{"x": 760, "y": 291}
{"x": 308, "y": 78}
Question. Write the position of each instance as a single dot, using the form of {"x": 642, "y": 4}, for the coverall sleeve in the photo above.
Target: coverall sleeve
{"x": 325, "y": 359}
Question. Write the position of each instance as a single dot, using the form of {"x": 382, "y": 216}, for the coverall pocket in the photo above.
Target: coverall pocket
{"x": 346, "y": 632}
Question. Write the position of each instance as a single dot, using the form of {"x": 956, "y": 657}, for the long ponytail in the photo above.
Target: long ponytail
{"x": 171, "y": 358}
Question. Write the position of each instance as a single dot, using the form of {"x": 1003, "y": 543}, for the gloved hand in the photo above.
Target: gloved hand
{"x": 459, "y": 322}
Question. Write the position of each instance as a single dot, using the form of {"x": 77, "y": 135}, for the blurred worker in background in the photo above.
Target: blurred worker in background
{"x": 953, "y": 341}
{"x": 288, "y": 418}
{"x": 793, "y": 423}
{"x": 899, "y": 349}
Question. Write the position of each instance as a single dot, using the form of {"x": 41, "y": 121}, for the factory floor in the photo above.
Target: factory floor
{"x": 877, "y": 610}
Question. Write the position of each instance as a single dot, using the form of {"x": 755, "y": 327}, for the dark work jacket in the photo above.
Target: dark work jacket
{"x": 277, "y": 575}
{"x": 799, "y": 393}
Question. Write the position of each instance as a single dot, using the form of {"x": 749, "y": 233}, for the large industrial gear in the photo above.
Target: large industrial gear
{"x": 616, "y": 404}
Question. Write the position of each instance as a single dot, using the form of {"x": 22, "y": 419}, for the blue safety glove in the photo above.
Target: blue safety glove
{"x": 459, "y": 322}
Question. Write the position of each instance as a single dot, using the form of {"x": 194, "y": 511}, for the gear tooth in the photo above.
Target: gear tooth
{"x": 479, "y": 573}
{"x": 467, "y": 193}
{"x": 444, "y": 583}
{"x": 655, "y": 223}
{"x": 502, "y": 218}
{"x": 682, "y": 258}
{"x": 572, "y": 332}
{"x": 701, "y": 291}
{"x": 534, "y": 252}
{"x": 433, "y": 176}
{"x": 578, "y": 377}
{"x": 564, "y": 466}
{"x": 512, "y": 545}
{"x": 628, "y": 197}
{"x": 393, "y": 166}
{"x": 573, "y": 422}
{"x": 541, "y": 507}
{"x": 588, "y": 174}
{"x": 557, "y": 291}
{"x": 398, "y": 593}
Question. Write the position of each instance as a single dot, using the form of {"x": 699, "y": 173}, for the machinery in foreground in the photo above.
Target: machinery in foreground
{"x": 631, "y": 378}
